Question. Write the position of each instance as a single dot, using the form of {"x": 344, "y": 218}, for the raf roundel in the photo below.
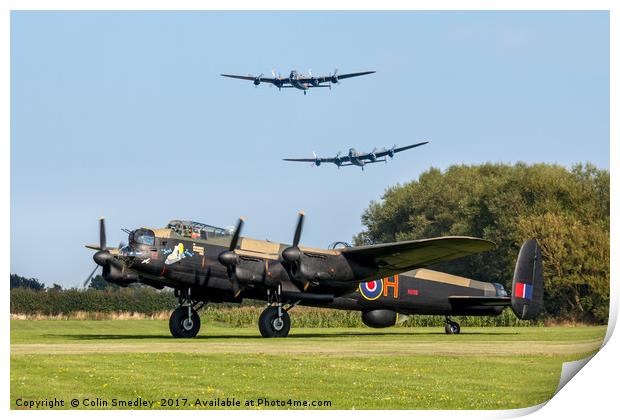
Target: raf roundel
{"x": 371, "y": 290}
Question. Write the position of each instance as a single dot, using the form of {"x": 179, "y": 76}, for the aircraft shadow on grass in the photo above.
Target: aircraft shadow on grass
{"x": 166, "y": 337}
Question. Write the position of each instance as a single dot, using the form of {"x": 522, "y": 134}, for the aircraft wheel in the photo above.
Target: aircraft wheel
{"x": 270, "y": 325}
{"x": 182, "y": 325}
{"x": 452, "y": 327}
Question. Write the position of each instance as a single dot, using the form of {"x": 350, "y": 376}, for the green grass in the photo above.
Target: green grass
{"x": 400, "y": 368}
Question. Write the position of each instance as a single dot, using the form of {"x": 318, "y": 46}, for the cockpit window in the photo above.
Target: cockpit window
{"x": 197, "y": 230}
{"x": 144, "y": 237}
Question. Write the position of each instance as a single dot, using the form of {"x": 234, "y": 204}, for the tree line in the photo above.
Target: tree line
{"x": 567, "y": 210}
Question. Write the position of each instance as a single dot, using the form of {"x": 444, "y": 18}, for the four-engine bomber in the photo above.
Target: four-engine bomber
{"x": 204, "y": 263}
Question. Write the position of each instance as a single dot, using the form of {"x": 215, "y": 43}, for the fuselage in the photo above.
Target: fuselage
{"x": 296, "y": 83}
{"x": 165, "y": 257}
{"x": 353, "y": 157}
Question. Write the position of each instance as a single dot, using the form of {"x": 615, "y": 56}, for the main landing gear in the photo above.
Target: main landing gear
{"x": 452, "y": 327}
{"x": 184, "y": 321}
{"x": 275, "y": 321}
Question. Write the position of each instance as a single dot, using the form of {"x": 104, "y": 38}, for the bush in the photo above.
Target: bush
{"x": 55, "y": 302}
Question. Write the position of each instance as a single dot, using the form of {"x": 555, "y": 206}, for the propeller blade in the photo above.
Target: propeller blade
{"x": 235, "y": 285}
{"x": 90, "y": 277}
{"x": 102, "y": 233}
{"x": 235, "y": 238}
{"x": 300, "y": 223}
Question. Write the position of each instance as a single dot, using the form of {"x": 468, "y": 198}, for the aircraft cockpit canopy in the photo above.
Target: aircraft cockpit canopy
{"x": 197, "y": 230}
{"x": 142, "y": 237}
{"x": 339, "y": 245}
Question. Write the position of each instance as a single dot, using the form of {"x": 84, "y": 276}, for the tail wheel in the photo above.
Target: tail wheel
{"x": 182, "y": 325}
{"x": 452, "y": 327}
{"x": 271, "y": 325}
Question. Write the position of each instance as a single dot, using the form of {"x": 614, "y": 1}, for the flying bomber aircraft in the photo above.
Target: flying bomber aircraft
{"x": 298, "y": 80}
{"x": 355, "y": 158}
{"x": 204, "y": 263}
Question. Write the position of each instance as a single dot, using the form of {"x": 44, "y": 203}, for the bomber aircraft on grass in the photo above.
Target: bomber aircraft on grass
{"x": 298, "y": 80}
{"x": 203, "y": 263}
{"x": 355, "y": 158}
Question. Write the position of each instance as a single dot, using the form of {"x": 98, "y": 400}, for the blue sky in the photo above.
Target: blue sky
{"x": 124, "y": 115}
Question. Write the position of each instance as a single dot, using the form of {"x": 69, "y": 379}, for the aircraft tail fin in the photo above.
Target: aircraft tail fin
{"x": 527, "y": 284}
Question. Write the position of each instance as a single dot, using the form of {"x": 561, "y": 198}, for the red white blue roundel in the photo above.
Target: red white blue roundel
{"x": 371, "y": 290}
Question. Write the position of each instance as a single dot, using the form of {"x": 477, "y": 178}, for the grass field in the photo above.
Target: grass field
{"x": 361, "y": 368}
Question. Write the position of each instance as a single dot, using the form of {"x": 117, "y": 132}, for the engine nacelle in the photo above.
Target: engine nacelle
{"x": 379, "y": 318}
{"x": 121, "y": 277}
{"x": 317, "y": 162}
{"x": 257, "y": 81}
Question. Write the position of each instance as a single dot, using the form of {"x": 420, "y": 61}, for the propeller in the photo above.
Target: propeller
{"x": 337, "y": 159}
{"x": 373, "y": 157}
{"x": 317, "y": 161}
{"x": 230, "y": 259}
{"x": 103, "y": 257}
{"x": 257, "y": 80}
{"x": 334, "y": 77}
{"x": 277, "y": 81}
{"x": 292, "y": 254}
{"x": 391, "y": 152}
{"x": 313, "y": 81}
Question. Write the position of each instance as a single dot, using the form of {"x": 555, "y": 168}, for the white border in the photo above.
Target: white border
{"x": 594, "y": 390}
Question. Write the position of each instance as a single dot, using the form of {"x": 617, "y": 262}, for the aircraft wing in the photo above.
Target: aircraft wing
{"x": 385, "y": 260}
{"x": 262, "y": 79}
{"x": 399, "y": 149}
{"x": 324, "y": 79}
{"x": 322, "y": 160}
